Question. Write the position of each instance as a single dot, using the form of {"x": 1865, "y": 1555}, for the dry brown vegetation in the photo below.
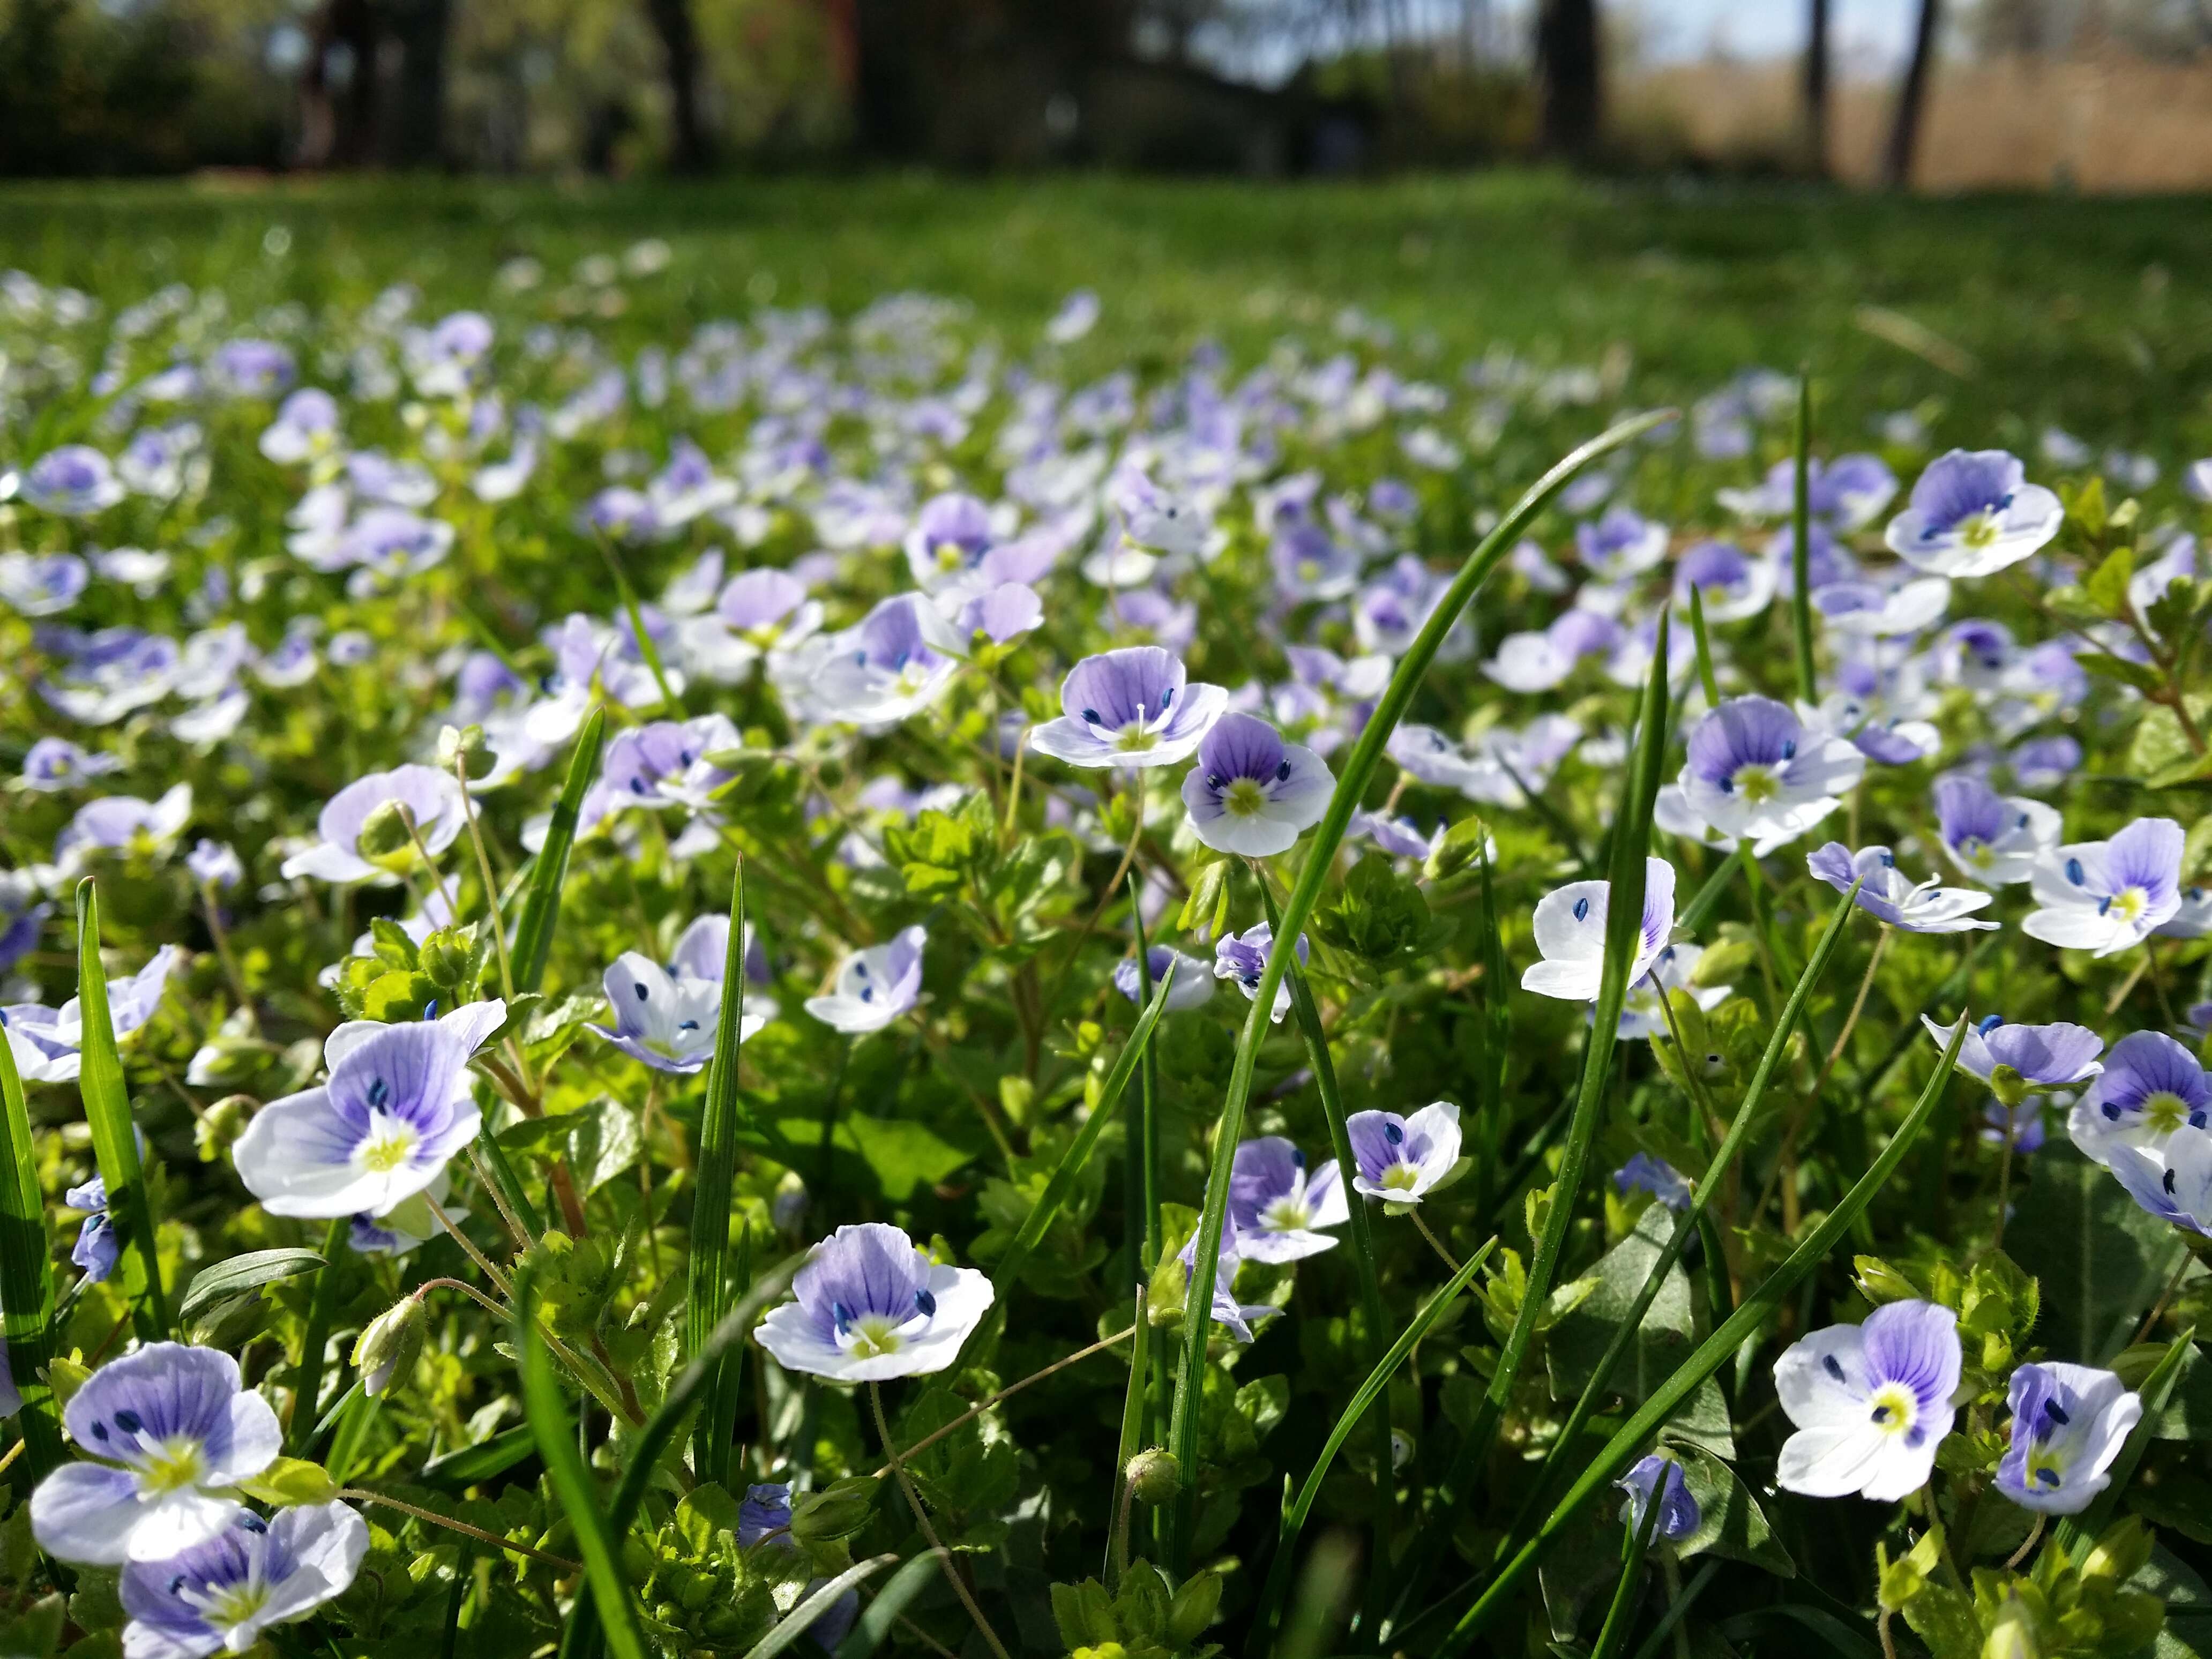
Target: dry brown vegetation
{"x": 2109, "y": 123}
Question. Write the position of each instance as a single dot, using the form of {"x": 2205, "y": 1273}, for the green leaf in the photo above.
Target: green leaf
{"x": 2106, "y": 585}
{"x": 571, "y": 1481}
{"x": 890, "y": 1605}
{"x": 27, "y": 1273}
{"x": 2099, "y": 1257}
{"x": 290, "y": 1481}
{"x": 708, "y": 1293}
{"x": 541, "y": 902}
{"x": 470, "y": 1466}
{"x": 2104, "y": 665}
{"x": 220, "y": 1281}
{"x": 1731, "y": 1522}
{"x": 114, "y": 1138}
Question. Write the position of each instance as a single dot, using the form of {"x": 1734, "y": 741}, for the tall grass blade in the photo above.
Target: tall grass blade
{"x": 541, "y": 901}
{"x": 1615, "y": 1631}
{"x": 27, "y": 1273}
{"x": 801, "y": 1619}
{"x": 114, "y": 1140}
{"x": 892, "y": 1602}
{"x": 1723, "y": 1158}
{"x": 1142, "y": 1183}
{"x": 1715, "y": 889}
{"x": 1377, "y": 1385}
{"x": 547, "y": 1416}
{"x": 1365, "y": 1264}
{"x": 707, "y": 1296}
{"x": 1497, "y": 1041}
{"x": 1624, "y": 926}
{"x": 1715, "y": 1350}
{"x": 1359, "y": 768}
{"x": 1801, "y": 548}
{"x": 322, "y": 1305}
{"x": 1710, "y": 685}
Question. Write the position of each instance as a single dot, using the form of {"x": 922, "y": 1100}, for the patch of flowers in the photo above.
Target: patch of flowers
{"x": 611, "y": 953}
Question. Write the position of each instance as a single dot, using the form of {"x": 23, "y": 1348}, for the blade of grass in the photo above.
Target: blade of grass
{"x": 891, "y": 1603}
{"x": 1377, "y": 1385}
{"x": 27, "y": 1273}
{"x": 1710, "y": 1355}
{"x": 114, "y": 1138}
{"x": 1359, "y": 770}
{"x": 1710, "y": 685}
{"x": 541, "y": 901}
{"x": 645, "y": 647}
{"x": 801, "y": 1619}
{"x": 1624, "y": 927}
{"x": 503, "y": 1175}
{"x": 1800, "y": 549}
{"x": 1497, "y": 1027}
{"x": 1677, "y": 1608}
{"x": 1615, "y": 1631}
{"x": 1716, "y": 1172}
{"x": 1359, "y": 1225}
{"x": 706, "y": 1300}
{"x": 1715, "y": 889}
{"x": 547, "y": 1416}
{"x": 1141, "y": 1186}
{"x": 321, "y": 1305}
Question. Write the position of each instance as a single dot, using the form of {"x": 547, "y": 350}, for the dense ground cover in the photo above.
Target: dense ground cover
{"x": 433, "y": 613}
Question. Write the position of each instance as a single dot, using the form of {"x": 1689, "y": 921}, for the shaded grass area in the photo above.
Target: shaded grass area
{"x": 2093, "y": 314}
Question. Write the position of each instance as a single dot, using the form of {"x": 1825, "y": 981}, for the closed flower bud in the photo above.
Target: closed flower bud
{"x": 386, "y": 1343}
{"x": 447, "y": 960}
{"x": 465, "y": 744}
{"x": 384, "y": 836}
{"x": 221, "y": 1125}
{"x": 838, "y": 1511}
{"x": 1154, "y": 1475}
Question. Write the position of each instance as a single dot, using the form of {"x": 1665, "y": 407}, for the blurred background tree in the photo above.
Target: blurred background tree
{"x": 2088, "y": 91}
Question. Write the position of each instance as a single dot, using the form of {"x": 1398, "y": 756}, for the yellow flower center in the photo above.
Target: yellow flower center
{"x": 951, "y": 556}
{"x": 174, "y": 1468}
{"x": 1401, "y": 1177}
{"x": 1978, "y": 529}
{"x": 1243, "y": 797}
{"x": 2164, "y": 1111}
{"x": 1894, "y": 1409}
{"x": 1135, "y": 739}
{"x": 1758, "y": 784}
{"x": 2128, "y": 903}
{"x": 387, "y": 1152}
{"x": 871, "y": 1336}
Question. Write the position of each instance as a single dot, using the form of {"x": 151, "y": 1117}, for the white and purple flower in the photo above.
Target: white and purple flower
{"x": 219, "y": 1595}
{"x": 1887, "y": 895}
{"x": 1251, "y": 793}
{"x": 1129, "y": 707}
{"x": 1972, "y": 514}
{"x": 1871, "y": 1402}
{"x": 874, "y": 987}
{"x": 1754, "y": 770}
{"x": 2149, "y": 1089}
{"x": 175, "y": 1433}
{"x": 666, "y": 1016}
{"x": 1659, "y": 1479}
{"x": 1399, "y": 1160}
{"x": 1276, "y": 1208}
{"x": 1192, "y": 987}
{"x": 2105, "y": 897}
{"x": 2069, "y": 1423}
{"x": 1244, "y": 958}
{"x": 430, "y": 796}
{"x": 1569, "y": 925}
{"x": 868, "y": 1306}
{"x": 1991, "y": 837}
{"x": 396, "y": 1105}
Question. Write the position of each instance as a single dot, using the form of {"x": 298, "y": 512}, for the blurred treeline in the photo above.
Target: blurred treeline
{"x": 1260, "y": 86}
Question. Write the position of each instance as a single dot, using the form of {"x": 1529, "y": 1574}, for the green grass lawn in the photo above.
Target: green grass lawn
{"x": 2093, "y": 314}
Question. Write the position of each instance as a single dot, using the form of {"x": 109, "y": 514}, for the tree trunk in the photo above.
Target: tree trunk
{"x": 1816, "y": 88}
{"x": 689, "y": 150}
{"x": 887, "y": 73}
{"x": 1567, "y": 65}
{"x": 1911, "y": 97}
{"x": 417, "y": 134}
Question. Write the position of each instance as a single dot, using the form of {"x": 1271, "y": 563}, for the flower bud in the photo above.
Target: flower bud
{"x": 447, "y": 959}
{"x": 1154, "y": 1475}
{"x": 838, "y": 1511}
{"x": 385, "y": 835}
{"x": 386, "y": 1343}
{"x": 221, "y": 1125}
{"x": 465, "y": 744}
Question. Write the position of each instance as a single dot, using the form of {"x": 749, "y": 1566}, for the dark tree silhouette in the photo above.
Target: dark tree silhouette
{"x": 1816, "y": 86}
{"x": 689, "y": 149}
{"x": 1912, "y": 97}
{"x": 416, "y": 136}
{"x": 1567, "y": 65}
